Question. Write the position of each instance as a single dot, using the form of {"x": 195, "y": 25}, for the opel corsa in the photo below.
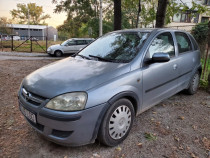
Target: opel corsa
{"x": 97, "y": 93}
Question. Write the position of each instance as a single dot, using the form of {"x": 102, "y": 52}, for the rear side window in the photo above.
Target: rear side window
{"x": 89, "y": 41}
{"x": 81, "y": 42}
{"x": 183, "y": 42}
{"x": 194, "y": 43}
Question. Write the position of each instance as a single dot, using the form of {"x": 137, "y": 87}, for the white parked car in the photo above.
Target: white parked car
{"x": 72, "y": 45}
{"x": 16, "y": 38}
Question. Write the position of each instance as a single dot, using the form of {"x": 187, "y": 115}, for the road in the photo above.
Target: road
{"x": 26, "y": 56}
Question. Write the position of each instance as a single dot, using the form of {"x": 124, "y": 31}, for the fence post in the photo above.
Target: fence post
{"x": 12, "y": 43}
{"x": 46, "y": 43}
{"x": 31, "y": 42}
{"x": 1, "y": 43}
{"x": 208, "y": 47}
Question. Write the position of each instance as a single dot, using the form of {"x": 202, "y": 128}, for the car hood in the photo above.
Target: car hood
{"x": 70, "y": 75}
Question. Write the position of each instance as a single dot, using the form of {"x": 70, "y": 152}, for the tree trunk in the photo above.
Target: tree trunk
{"x": 117, "y": 15}
{"x": 161, "y": 13}
{"x": 208, "y": 49}
{"x": 139, "y": 11}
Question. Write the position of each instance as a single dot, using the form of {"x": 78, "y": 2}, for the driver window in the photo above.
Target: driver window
{"x": 163, "y": 43}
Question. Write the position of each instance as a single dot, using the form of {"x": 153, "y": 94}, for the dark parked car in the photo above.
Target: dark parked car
{"x": 98, "y": 93}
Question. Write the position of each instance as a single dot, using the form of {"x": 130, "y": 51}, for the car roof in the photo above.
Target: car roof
{"x": 82, "y": 38}
{"x": 149, "y": 30}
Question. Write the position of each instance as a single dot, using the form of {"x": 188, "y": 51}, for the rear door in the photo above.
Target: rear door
{"x": 188, "y": 58}
{"x": 160, "y": 79}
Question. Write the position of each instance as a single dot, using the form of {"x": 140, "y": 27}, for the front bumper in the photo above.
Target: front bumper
{"x": 50, "y": 51}
{"x": 66, "y": 128}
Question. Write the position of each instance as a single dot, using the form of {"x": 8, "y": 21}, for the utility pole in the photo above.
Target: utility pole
{"x": 28, "y": 24}
{"x": 100, "y": 20}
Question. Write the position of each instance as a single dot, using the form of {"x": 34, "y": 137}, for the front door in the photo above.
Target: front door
{"x": 159, "y": 79}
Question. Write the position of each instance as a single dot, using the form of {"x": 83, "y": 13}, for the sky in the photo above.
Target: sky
{"x": 48, "y": 7}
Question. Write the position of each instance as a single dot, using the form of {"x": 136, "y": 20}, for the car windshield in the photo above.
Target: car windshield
{"x": 115, "y": 47}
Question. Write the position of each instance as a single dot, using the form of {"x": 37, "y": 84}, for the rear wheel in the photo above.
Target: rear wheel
{"x": 194, "y": 83}
{"x": 58, "y": 53}
{"x": 117, "y": 123}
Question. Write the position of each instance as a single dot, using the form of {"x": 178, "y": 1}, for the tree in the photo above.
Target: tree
{"x": 3, "y": 26}
{"x": 117, "y": 15}
{"x": 30, "y": 13}
{"x": 161, "y": 13}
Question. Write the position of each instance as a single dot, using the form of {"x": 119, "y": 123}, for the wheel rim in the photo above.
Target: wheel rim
{"x": 58, "y": 54}
{"x": 195, "y": 82}
{"x": 119, "y": 122}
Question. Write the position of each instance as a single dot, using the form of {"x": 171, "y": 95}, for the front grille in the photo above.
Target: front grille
{"x": 32, "y": 98}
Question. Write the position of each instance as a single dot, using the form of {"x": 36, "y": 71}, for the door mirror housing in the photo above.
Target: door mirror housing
{"x": 160, "y": 57}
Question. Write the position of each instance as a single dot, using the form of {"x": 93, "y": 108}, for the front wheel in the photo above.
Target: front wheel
{"x": 194, "y": 83}
{"x": 58, "y": 53}
{"x": 117, "y": 123}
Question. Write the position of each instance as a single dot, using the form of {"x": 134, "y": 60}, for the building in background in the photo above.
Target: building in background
{"x": 36, "y": 31}
{"x": 189, "y": 18}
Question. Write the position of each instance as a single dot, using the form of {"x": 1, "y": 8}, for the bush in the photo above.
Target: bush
{"x": 200, "y": 33}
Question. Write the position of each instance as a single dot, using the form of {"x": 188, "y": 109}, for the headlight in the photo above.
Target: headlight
{"x": 49, "y": 49}
{"x": 68, "y": 102}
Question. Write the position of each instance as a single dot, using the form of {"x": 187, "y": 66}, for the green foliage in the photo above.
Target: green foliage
{"x": 150, "y": 136}
{"x": 200, "y": 32}
{"x": 83, "y": 15}
{"x": 203, "y": 83}
{"x": 3, "y": 26}
{"x": 35, "y": 13}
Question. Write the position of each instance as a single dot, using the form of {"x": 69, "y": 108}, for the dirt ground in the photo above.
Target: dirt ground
{"x": 179, "y": 127}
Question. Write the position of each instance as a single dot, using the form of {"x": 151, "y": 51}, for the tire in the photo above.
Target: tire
{"x": 194, "y": 83}
{"x": 58, "y": 53}
{"x": 117, "y": 123}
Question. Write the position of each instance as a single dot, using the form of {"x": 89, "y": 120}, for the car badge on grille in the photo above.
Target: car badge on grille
{"x": 26, "y": 94}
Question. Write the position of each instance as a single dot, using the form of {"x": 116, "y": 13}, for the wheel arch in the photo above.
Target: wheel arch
{"x": 131, "y": 96}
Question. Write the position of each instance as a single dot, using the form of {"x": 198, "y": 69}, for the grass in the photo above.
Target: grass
{"x": 205, "y": 77}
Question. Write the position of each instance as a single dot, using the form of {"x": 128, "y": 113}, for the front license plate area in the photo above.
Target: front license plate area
{"x": 28, "y": 114}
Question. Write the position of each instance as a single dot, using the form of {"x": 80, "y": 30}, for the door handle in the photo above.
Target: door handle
{"x": 175, "y": 66}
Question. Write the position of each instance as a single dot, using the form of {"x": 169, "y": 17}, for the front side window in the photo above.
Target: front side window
{"x": 163, "y": 43}
{"x": 183, "y": 42}
{"x": 116, "y": 47}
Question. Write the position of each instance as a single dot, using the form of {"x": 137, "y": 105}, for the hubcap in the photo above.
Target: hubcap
{"x": 195, "y": 82}
{"x": 119, "y": 122}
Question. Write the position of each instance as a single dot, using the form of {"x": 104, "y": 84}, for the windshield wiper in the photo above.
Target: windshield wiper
{"x": 100, "y": 58}
{"x": 83, "y": 56}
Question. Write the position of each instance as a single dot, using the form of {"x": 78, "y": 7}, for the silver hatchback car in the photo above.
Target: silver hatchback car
{"x": 69, "y": 46}
{"x": 97, "y": 93}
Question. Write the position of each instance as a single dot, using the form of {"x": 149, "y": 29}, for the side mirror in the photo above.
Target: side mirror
{"x": 160, "y": 57}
